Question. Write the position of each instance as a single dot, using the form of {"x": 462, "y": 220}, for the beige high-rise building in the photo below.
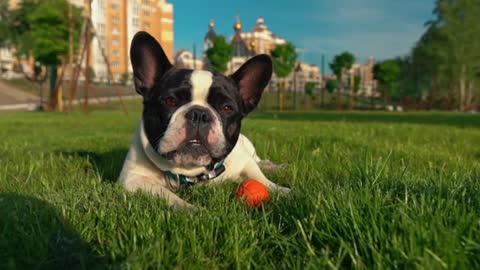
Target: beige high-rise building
{"x": 116, "y": 22}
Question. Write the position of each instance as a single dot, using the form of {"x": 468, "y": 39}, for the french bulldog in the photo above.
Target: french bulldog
{"x": 190, "y": 127}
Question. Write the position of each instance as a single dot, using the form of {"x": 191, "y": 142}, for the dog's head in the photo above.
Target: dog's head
{"x": 192, "y": 118}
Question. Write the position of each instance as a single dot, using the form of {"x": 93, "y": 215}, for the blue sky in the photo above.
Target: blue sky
{"x": 378, "y": 28}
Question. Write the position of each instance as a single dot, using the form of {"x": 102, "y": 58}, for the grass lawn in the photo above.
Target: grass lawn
{"x": 370, "y": 190}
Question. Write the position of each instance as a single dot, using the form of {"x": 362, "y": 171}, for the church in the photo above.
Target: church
{"x": 247, "y": 44}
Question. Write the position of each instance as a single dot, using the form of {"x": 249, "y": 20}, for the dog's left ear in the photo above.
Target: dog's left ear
{"x": 149, "y": 62}
{"x": 252, "y": 77}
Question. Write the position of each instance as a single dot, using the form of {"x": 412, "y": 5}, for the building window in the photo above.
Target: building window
{"x": 101, "y": 38}
{"x": 146, "y": 25}
{"x": 115, "y": 64}
{"x": 115, "y": 20}
{"x": 114, "y": 7}
{"x": 146, "y": 3}
{"x": 135, "y": 22}
{"x": 116, "y": 53}
{"x": 116, "y": 42}
{"x": 146, "y": 13}
{"x": 101, "y": 28}
{"x": 115, "y": 31}
{"x": 101, "y": 4}
{"x": 136, "y": 9}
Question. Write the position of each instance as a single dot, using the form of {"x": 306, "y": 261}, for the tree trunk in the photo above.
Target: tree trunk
{"x": 352, "y": 99}
{"x": 463, "y": 85}
{"x": 282, "y": 95}
{"x": 53, "y": 91}
{"x": 385, "y": 97}
{"x": 322, "y": 97}
{"x": 372, "y": 103}
{"x": 470, "y": 95}
{"x": 295, "y": 93}
{"x": 352, "y": 89}
{"x": 338, "y": 94}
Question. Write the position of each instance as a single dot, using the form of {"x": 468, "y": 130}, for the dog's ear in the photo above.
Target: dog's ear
{"x": 252, "y": 77}
{"x": 148, "y": 60}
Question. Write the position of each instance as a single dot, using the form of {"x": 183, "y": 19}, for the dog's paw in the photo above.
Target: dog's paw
{"x": 185, "y": 207}
{"x": 269, "y": 166}
{"x": 281, "y": 190}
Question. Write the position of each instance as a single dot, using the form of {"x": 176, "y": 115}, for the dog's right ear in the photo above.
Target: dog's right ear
{"x": 149, "y": 62}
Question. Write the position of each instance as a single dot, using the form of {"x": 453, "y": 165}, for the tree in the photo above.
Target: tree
{"x": 284, "y": 59}
{"x": 310, "y": 88}
{"x": 388, "y": 73}
{"x": 124, "y": 78}
{"x": 4, "y": 29}
{"x": 219, "y": 54}
{"x": 340, "y": 63}
{"x": 4, "y": 18}
{"x": 457, "y": 48}
{"x": 357, "y": 80}
{"x": 331, "y": 85}
{"x": 50, "y": 35}
{"x": 21, "y": 26}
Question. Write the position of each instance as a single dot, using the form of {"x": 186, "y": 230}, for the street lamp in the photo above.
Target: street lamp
{"x": 297, "y": 69}
{"x": 37, "y": 69}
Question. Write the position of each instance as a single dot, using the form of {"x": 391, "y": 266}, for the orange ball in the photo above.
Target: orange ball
{"x": 253, "y": 192}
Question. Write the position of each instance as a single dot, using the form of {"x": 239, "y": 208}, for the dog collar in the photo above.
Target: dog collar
{"x": 183, "y": 180}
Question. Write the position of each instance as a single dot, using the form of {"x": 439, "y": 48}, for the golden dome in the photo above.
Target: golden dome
{"x": 238, "y": 26}
{"x": 211, "y": 24}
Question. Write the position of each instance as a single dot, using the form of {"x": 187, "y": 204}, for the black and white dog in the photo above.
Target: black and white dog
{"x": 190, "y": 129}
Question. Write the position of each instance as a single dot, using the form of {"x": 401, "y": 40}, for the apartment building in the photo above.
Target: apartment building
{"x": 115, "y": 23}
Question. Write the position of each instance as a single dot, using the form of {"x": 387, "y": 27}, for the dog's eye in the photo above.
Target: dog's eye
{"x": 170, "y": 101}
{"x": 227, "y": 109}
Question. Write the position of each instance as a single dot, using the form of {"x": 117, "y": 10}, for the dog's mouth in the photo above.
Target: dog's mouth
{"x": 194, "y": 142}
{"x": 194, "y": 148}
{"x": 192, "y": 153}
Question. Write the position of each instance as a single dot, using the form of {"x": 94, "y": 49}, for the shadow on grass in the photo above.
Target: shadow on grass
{"x": 34, "y": 235}
{"x": 423, "y": 118}
{"x": 107, "y": 164}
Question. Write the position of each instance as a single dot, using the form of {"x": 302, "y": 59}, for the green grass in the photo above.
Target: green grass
{"x": 370, "y": 190}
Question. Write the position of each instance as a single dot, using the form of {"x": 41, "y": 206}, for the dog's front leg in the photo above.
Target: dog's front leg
{"x": 145, "y": 184}
{"x": 252, "y": 170}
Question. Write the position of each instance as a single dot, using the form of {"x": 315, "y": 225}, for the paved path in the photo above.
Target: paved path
{"x": 12, "y": 99}
{"x": 11, "y": 96}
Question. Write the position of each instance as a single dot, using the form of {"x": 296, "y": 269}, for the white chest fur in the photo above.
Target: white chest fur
{"x": 142, "y": 169}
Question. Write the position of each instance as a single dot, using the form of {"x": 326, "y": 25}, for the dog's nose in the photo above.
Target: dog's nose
{"x": 199, "y": 116}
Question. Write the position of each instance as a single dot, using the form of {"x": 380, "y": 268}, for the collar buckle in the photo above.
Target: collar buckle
{"x": 183, "y": 180}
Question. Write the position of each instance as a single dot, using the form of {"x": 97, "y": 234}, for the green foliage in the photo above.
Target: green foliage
{"x": 331, "y": 85}
{"x": 357, "y": 81}
{"x": 445, "y": 62}
{"x": 387, "y": 73}
{"x": 310, "y": 88}
{"x": 50, "y": 30}
{"x": 4, "y": 19}
{"x": 124, "y": 78}
{"x": 220, "y": 54}
{"x": 284, "y": 59}
{"x": 341, "y": 62}
{"x": 20, "y": 34}
{"x": 90, "y": 73}
{"x": 369, "y": 190}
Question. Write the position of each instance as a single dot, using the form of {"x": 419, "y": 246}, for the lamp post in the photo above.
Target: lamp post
{"x": 297, "y": 69}
{"x": 37, "y": 70}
